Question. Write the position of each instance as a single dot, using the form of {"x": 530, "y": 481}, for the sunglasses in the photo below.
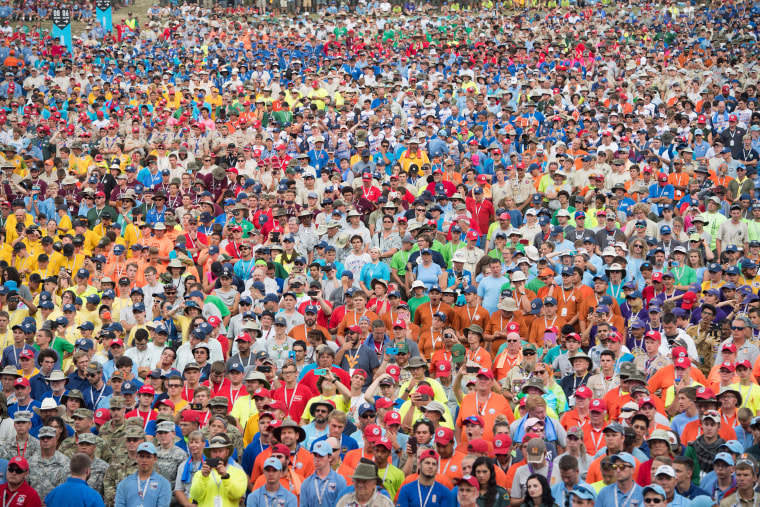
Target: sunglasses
{"x": 653, "y": 500}
{"x": 529, "y": 353}
{"x": 15, "y": 470}
{"x": 736, "y": 328}
{"x": 368, "y": 415}
{"x": 621, "y": 467}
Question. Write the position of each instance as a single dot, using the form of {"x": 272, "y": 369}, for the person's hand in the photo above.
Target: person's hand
{"x": 409, "y": 449}
{"x": 205, "y": 469}
{"x": 221, "y": 468}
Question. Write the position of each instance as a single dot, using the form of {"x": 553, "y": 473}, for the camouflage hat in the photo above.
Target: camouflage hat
{"x": 87, "y": 438}
{"x": 117, "y": 402}
{"x": 627, "y": 368}
{"x": 166, "y": 426}
{"x": 72, "y": 394}
{"x": 219, "y": 401}
{"x": 165, "y": 417}
{"x": 137, "y": 422}
{"x": 118, "y": 374}
{"x": 46, "y": 431}
{"x": 83, "y": 413}
{"x": 135, "y": 431}
{"x": 22, "y": 416}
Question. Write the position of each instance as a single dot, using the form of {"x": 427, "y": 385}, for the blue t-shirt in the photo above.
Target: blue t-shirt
{"x": 416, "y": 495}
{"x": 490, "y": 290}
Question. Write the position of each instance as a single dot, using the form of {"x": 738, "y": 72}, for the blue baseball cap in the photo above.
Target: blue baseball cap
{"x": 550, "y": 301}
{"x": 84, "y": 344}
{"x": 138, "y": 307}
{"x": 535, "y": 306}
{"x": 621, "y": 456}
{"x": 87, "y": 326}
{"x": 69, "y": 308}
{"x": 311, "y": 309}
{"x": 129, "y": 388}
{"x": 584, "y": 492}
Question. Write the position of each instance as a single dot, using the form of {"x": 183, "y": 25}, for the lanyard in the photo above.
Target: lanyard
{"x": 142, "y": 493}
{"x": 627, "y": 498}
{"x": 474, "y": 314}
{"x": 100, "y": 394}
{"x": 419, "y": 492}
{"x": 10, "y": 500}
{"x": 477, "y": 404}
{"x": 291, "y": 402}
{"x": 19, "y": 452}
{"x": 320, "y": 494}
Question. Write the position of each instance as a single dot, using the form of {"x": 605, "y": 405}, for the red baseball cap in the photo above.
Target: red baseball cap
{"x": 679, "y": 352}
{"x": 485, "y": 372}
{"x": 147, "y": 390}
{"x": 399, "y": 323}
{"x": 727, "y": 365}
{"x": 214, "y": 321}
{"x": 244, "y": 337}
{"x": 733, "y": 117}
{"x": 743, "y": 362}
{"x": 425, "y": 390}
{"x": 167, "y": 402}
{"x": 429, "y": 453}
{"x": 276, "y": 405}
{"x": 262, "y": 392}
{"x": 597, "y": 406}
{"x": 21, "y": 381}
{"x": 373, "y": 432}
{"x": 20, "y": 462}
{"x": 729, "y": 347}
{"x": 653, "y": 335}
{"x": 281, "y": 449}
{"x": 442, "y": 369}
{"x": 360, "y": 372}
{"x": 392, "y": 418}
{"x": 444, "y": 436}
{"x": 384, "y": 442}
{"x": 688, "y": 300}
{"x": 584, "y": 392}
{"x": 26, "y": 354}
{"x": 383, "y": 403}
{"x": 469, "y": 479}
{"x": 189, "y": 415}
{"x": 478, "y": 445}
{"x": 513, "y": 327}
{"x": 394, "y": 371}
{"x": 117, "y": 342}
{"x": 682, "y": 362}
{"x": 646, "y": 399}
{"x": 102, "y": 416}
{"x": 705, "y": 393}
{"x": 502, "y": 444}
{"x": 657, "y": 277}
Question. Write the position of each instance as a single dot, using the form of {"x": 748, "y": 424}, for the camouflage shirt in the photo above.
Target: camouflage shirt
{"x": 118, "y": 470}
{"x": 12, "y": 448}
{"x": 97, "y": 475}
{"x": 45, "y": 474}
{"x": 169, "y": 461}
{"x": 102, "y": 450}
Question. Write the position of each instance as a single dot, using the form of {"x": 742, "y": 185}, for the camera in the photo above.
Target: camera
{"x": 213, "y": 462}
{"x": 312, "y": 293}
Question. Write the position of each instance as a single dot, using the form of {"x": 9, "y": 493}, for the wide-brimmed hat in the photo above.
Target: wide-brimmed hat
{"x": 218, "y": 442}
{"x": 731, "y": 390}
{"x": 49, "y": 404}
{"x": 57, "y": 375}
{"x": 72, "y": 394}
{"x": 289, "y": 423}
{"x": 534, "y": 382}
{"x": 616, "y": 267}
{"x": 364, "y": 472}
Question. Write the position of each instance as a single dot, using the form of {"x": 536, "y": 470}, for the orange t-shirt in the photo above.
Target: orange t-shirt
{"x": 693, "y": 430}
{"x": 488, "y": 409}
{"x": 594, "y": 473}
{"x": 666, "y": 377}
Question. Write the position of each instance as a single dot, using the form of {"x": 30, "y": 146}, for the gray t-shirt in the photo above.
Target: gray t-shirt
{"x": 519, "y": 488}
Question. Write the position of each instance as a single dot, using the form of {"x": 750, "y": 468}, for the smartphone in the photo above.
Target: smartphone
{"x": 413, "y": 444}
{"x": 275, "y": 237}
{"x": 393, "y": 351}
{"x": 213, "y": 462}
{"x": 320, "y": 371}
{"x": 424, "y": 397}
{"x": 292, "y": 356}
{"x": 525, "y": 242}
{"x": 264, "y": 368}
{"x": 590, "y": 310}
{"x": 196, "y": 406}
{"x": 312, "y": 293}
{"x": 472, "y": 369}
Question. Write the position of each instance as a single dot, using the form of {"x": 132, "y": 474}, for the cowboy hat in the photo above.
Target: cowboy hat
{"x": 49, "y": 404}
{"x": 218, "y": 442}
{"x": 289, "y": 423}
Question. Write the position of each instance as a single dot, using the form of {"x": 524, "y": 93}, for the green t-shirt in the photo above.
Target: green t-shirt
{"x": 449, "y": 249}
{"x": 61, "y": 346}
{"x": 415, "y": 302}
{"x": 216, "y": 301}
{"x": 399, "y": 260}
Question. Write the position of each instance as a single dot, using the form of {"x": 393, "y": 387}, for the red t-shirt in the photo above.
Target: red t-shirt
{"x": 295, "y": 399}
{"x": 310, "y": 380}
{"x": 145, "y": 416}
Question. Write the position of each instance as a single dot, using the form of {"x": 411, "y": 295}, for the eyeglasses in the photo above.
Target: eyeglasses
{"x": 336, "y": 449}
{"x": 735, "y": 328}
{"x": 653, "y": 500}
{"x": 369, "y": 415}
{"x": 174, "y": 386}
{"x": 92, "y": 375}
{"x": 15, "y": 470}
{"x": 621, "y": 467}
{"x": 539, "y": 372}
{"x": 529, "y": 353}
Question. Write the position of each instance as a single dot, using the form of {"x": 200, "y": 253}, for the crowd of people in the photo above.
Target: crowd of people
{"x": 377, "y": 254}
